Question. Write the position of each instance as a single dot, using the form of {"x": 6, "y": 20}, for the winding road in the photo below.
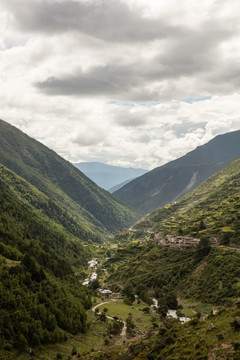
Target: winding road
{"x": 124, "y": 329}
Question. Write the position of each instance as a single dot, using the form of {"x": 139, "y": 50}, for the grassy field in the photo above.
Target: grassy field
{"x": 141, "y": 319}
{"x": 188, "y": 312}
{"x": 190, "y": 307}
{"x": 204, "y": 308}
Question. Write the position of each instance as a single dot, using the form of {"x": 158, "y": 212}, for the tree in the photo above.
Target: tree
{"x": 128, "y": 301}
{"x": 171, "y": 301}
{"x": 130, "y": 324}
{"x": 235, "y": 324}
{"x": 103, "y": 317}
{"x": 21, "y": 342}
{"x": 94, "y": 285}
{"x": 74, "y": 351}
{"x": 203, "y": 248}
{"x": 128, "y": 291}
{"x": 202, "y": 225}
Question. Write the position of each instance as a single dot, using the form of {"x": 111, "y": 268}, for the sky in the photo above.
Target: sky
{"x": 125, "y": 82}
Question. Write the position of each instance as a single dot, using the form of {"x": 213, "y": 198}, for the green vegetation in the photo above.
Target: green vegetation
{"x": 120, "y": 310}
{"x": 41, "y": 297}
{"x": 210, "y": 210}
{"x": 52, "y": 222}
{"x": 26, "y": 225}
{"x": 213, "y": 278}
{"x": 216, "y": 337}
{"x": 86, "y": 209}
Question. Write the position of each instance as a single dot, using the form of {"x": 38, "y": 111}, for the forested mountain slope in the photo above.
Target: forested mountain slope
{"x": 173, "y": 180}
{"x": 41, "y": 297}
{"x": 212, "y": 209}
{"x": 90, "y": 206}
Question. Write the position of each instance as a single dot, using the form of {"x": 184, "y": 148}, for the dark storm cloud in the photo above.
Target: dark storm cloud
{"x": 110, "y": 20}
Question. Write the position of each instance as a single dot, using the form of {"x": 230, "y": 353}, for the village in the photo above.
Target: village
{"x": 171, "y": 240}
{"x": 176, "y": 241}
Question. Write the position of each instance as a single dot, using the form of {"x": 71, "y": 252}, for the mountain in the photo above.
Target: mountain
{"x": 212, "y": 209}
{"x": 118, "y": 186}
{"x": 90, "y": 207}
{"x": 108, "y": 176}
{"x": 200, "y": 282}
{"x": 41, "y": 297}
{"x": 173, "y": 180}
{"x": 209, "y": 212}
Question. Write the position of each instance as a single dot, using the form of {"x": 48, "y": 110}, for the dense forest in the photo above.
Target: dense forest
{"x": 41, "y": 296}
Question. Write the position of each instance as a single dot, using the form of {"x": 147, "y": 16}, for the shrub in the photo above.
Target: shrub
{"x": 235, "y": 324}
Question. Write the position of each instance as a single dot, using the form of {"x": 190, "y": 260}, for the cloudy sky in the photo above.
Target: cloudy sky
{"x": 126, "y": 82}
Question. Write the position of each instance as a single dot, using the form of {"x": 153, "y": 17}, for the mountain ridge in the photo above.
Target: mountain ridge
{"x": 90, "y": 205}
{"x": 170, "y": 181}
{"x": 211, "y": 209}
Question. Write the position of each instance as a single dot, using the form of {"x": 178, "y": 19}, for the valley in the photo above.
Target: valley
{"x": 83, "y": 276}
{"x": 119, "y": 180}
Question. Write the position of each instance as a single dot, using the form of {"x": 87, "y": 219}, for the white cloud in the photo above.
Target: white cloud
{"x": 119, "y": 90}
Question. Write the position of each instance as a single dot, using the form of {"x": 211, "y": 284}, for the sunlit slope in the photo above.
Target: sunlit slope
{"x": 29, "y": 217}
{"x": 89, "y": 205}
{"x": 213, "y": 209}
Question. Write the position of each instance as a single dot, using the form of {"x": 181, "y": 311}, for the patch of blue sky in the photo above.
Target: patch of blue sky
{"x": 11, "y": 43}
{"x": 191, "y": 100}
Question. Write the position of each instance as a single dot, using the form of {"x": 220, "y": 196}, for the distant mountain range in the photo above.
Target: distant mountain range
{"x": 108, "y": 177}
{"x": 173, "y": 180}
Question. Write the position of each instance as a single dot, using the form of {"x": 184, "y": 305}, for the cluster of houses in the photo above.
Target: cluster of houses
{"x": 104, "y": 293}
{"x": 178, "y": 241}
{"x": 172, "y": 240}
{"x": 108, "y": 294}
{"x": 181, "y": 242}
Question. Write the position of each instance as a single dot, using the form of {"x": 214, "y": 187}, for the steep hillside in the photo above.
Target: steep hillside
{"x": 108, "y": 176}
{"x": 216, "y": 337}
{"x": 173, "y": 180}
{"x": 203, "y": 273}
{"x": 41, "y": 297}
{"x": 212, "y": 209}
{"x": 91, "y": 207}
{"x": 118, "y": 186}
{"x": 26, "y": 211}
